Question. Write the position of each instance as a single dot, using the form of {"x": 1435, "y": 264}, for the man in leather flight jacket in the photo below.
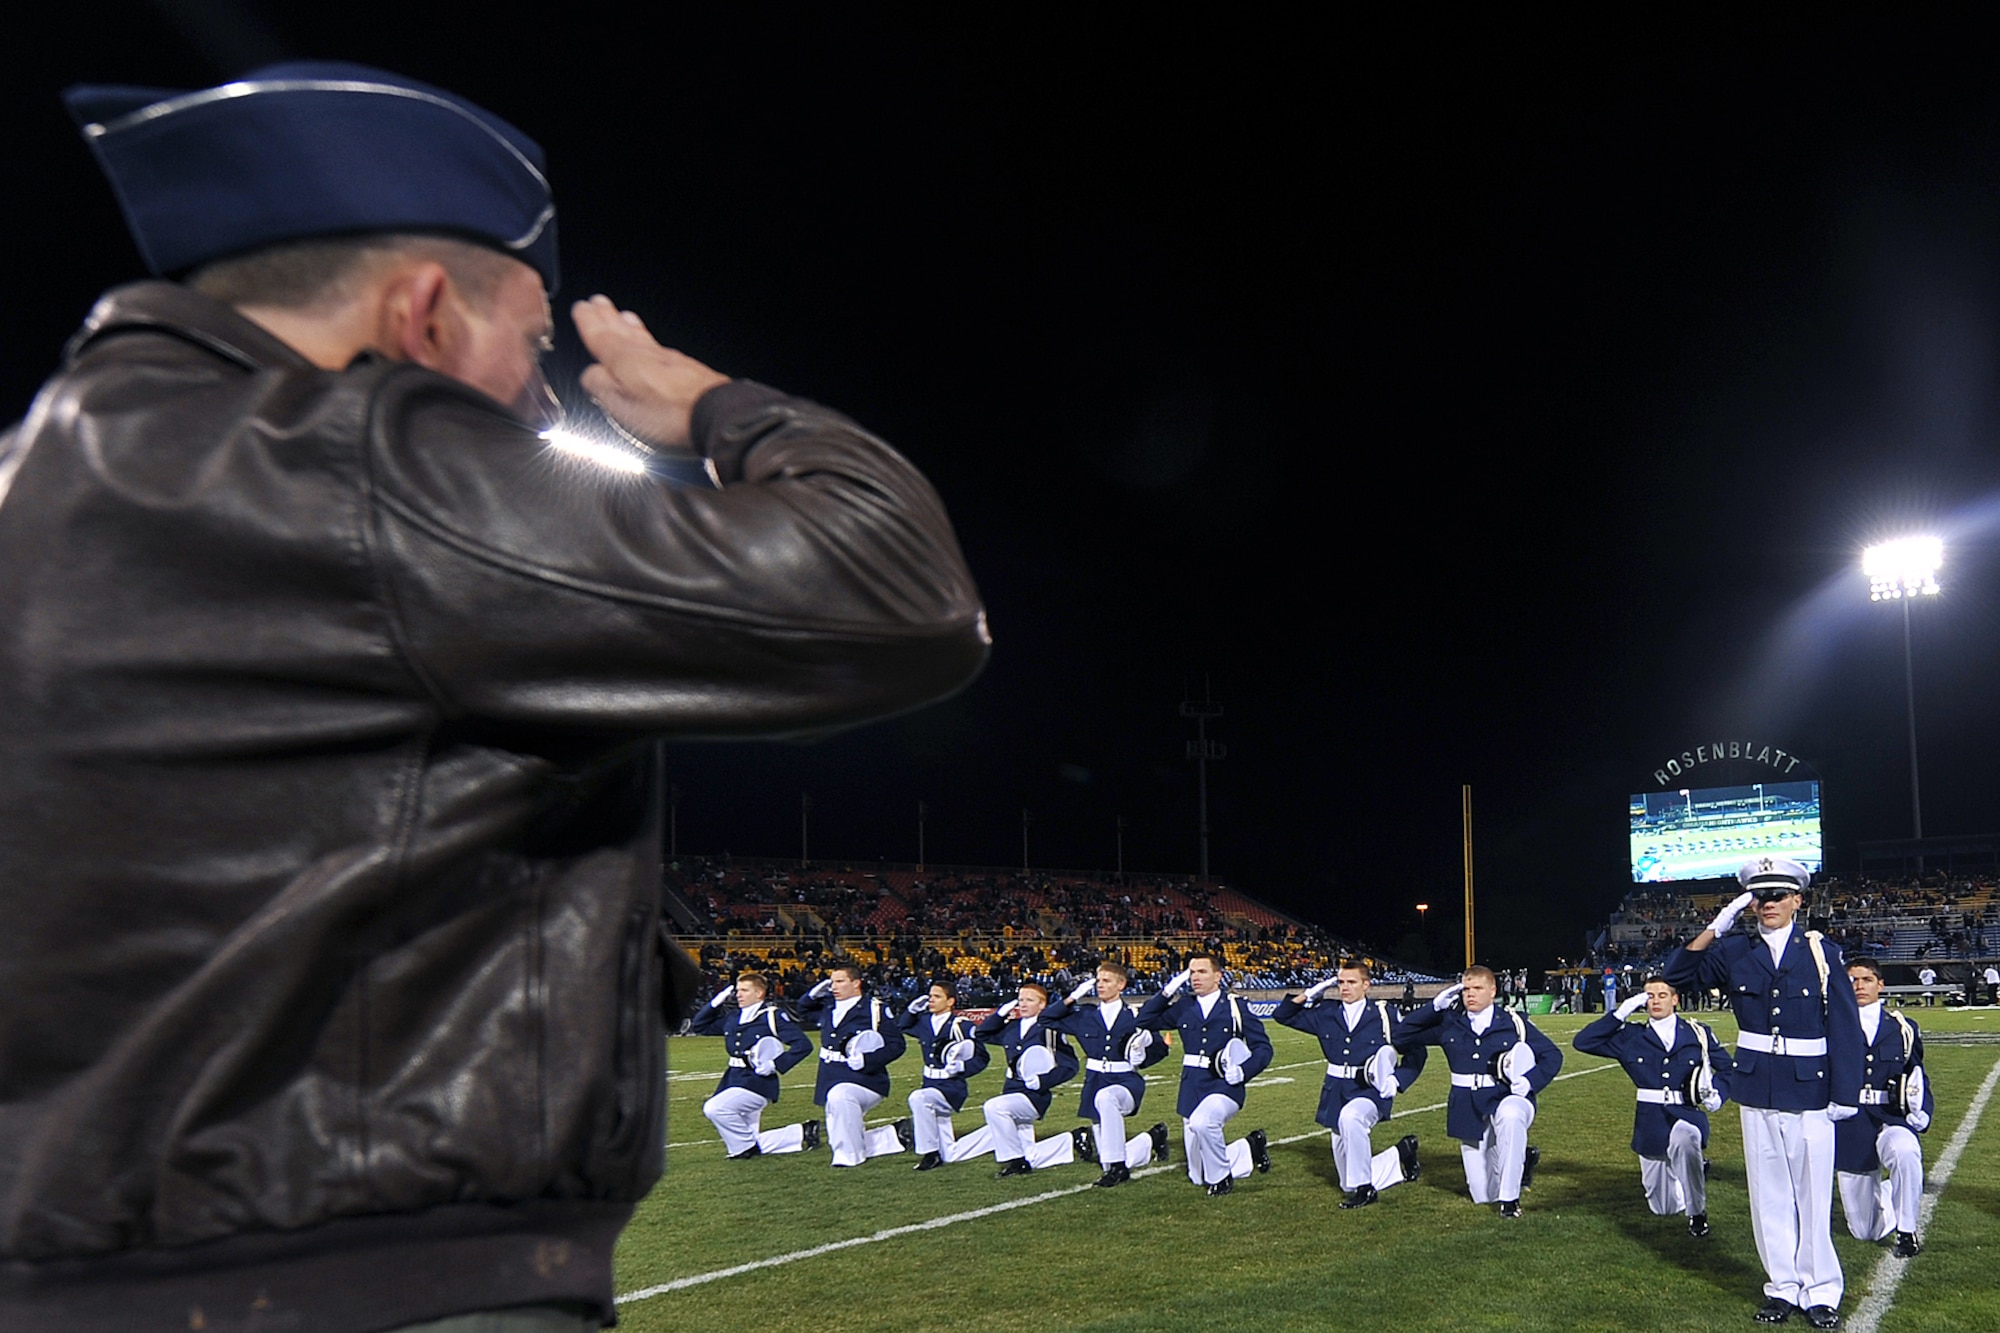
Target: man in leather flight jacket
{"x": 328, "y": 854}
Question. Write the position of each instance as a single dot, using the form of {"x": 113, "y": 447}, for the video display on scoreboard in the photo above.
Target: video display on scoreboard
{"x": 1707, "y": 832}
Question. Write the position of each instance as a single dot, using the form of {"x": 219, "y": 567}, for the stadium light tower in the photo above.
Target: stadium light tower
{"x": 1902, "y": 571}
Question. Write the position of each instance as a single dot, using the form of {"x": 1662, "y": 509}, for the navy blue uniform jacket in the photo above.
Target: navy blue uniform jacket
{"x": 1007, "y": 1031}
{"x": 1206, "y": 1037}
{"x": 1327, "y": 1020}
{"x": 743, "y": 1028}
{"x": 1101, "y": 1043}
{"x": 1469, "y": 1052}
{"x": 868, "y": 1011}
{"x": 1786, "y": 1001}
{"x": 1649, "y": 1064}
{"x": 931, "y": 1041}
{"x": 1883, "y": 1063}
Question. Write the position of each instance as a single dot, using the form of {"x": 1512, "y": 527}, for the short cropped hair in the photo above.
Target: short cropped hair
{"x": 1214, "y": 960}
{"x": 757, "y": 979}
{"x": 854, "y": 970}
{"x": 1036, "y": 985}
{"x": 327, "y": 270}
{"x": 1868, "y": 962}
{"x": 1117, "y": 969}
{"x": 1479, "y": 973}
{"x": 1660, "y": 977}
{"x": 1356, "y": 965}
{"x": 945, "y": 984}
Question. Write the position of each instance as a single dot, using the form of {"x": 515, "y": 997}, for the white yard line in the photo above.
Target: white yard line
{"x": 973, "y": 1215}
{"x": 1889, "y": 1270}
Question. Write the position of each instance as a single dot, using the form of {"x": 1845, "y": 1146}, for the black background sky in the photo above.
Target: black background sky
{"x": 1494, "y": 400}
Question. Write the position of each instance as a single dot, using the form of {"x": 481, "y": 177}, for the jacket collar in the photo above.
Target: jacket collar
{"x": 181, "y": 312}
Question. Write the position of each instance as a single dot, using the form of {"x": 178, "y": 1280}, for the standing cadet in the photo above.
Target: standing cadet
{"x": 762, "y": 1041}
{"x": 1681, "y": 1070}
{"x": 1876, "y": 1156}
{"x": 1499, "y": 1062}
{"x": 859, "y": 1040}
{"x": 1798, "y": 1070}
{"x": 951, "y": 1056}
{"x": 1038, "y": 1059}
{"x": 1362, "y": 1079}
{"x": 1223, "y": 1047}
{"x": 1115, "y": 1049}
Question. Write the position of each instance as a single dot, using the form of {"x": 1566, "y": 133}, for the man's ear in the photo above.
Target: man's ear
{"x": 420, "y": 323}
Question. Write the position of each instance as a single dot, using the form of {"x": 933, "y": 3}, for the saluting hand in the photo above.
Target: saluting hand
{"x": 648, "y": 389}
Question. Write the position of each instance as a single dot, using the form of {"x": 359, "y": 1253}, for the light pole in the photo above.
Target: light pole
{"x": 1902, "y": 571}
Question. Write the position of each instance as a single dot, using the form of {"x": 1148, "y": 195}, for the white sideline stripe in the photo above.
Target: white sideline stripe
{"x": 1889, "y": 1270}
{"x": 973, "y": 1215}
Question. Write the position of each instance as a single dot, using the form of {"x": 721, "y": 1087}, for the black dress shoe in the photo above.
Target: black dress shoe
{"x": 1226, "y": 1185}
{"x": 1260, "y": 1151}
{"x": 1116, "y": 1174}
{"x": 906, "y": 1134}
{"x": 1907, "y": 1245}
{"x": 1510, "y": 1208}
{"x": 1085, "y": 1141}
{"x": 1018, "y": 1167}
{"x": 1698, "y": 1225}
{"x": 752, "y": 1151}
{"x": 1777, "y": 1310}
{"x": 930, "y": 1161}
{"x": 1528, "y": 1165}
{"x": 1406, "y": 1148}
{"x": 1158, "y": 1134}
{"x": 811, "y": 1139}
{"x": 1822, "y": 1316}
{"x": 1360, "y": 1198}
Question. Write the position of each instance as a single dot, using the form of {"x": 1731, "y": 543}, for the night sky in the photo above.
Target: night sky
{"x": 1461, "y": 401}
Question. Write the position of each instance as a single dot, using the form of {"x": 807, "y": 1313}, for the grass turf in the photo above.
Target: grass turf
{"x": 1278, "y": 1253}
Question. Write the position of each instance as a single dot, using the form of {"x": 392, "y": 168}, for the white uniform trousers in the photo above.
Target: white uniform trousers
{"x": 736, "y": 1114}
{"x": 1359, "y": 1166}
{"x": 1879, "y": 1202}
{"x": 930, "y": 1122}
{"x": 1788, "y": 1163}
{"x": 1113, "y": 1105}
{"x": 1674, "y": 1183}
{"x": 1210, "y": 1160}
{"x": 852, "y": 1142}
{"x": 1493, "y": 1165}
{"x": 1010, "y": 1122}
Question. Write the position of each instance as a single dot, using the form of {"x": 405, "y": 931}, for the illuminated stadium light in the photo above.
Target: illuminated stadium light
{"x": 605, "y": 455}
{"x": 1905, "y": 568}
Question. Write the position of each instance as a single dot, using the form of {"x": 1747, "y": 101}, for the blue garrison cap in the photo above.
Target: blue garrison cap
{"x": 306, "y": 149}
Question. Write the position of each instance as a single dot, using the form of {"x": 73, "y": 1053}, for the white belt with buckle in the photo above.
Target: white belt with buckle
{"x": 831, "y": 1056}
{"x": 738, "y": 1062}
{"x": 1875, "y": 1097}
{"x": 1343, "y": 1071}
{"x": 1473, "y": 1081}
{"x": 1194, "y": 1062}
{"x": 1110, "y": 1066}
{"x": 1661, "y": 1097}
{"x": 1769, "y": 1045}
{"x": 931, "y": 1071}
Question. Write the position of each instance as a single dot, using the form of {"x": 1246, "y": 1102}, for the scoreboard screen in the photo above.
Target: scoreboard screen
{"x": 1708, "y": 832}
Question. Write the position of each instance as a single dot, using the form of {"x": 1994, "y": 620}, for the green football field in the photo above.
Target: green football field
{"x": 786, "y": 1242}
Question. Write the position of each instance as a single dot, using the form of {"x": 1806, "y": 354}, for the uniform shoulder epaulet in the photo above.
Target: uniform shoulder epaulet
{"x": 1816, "y": 942}
{"x": 1382, "y": 1007}
{"x": 1909, "y": 1031}
{"x": 1520, "y": 1026}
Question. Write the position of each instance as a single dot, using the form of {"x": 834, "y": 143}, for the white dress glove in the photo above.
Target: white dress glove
{"x": 1727, "y": 916}
{"x": 1319, "y": 988}
{"x": 921, "y": 1003}
{"x": 1918, "y": 1121}
{"x": 1519, "y": 1086}
{"x": 824, "y": 988}
{"x": 1442, "y": 1000}
{"x": 1632, "y": 1004}
{"x": 722, "y": 997}
{"x": 1031, "y": 1082}
{"x": 1713, "y": 1102}
{"x": 1007, "y": 1010}
{"x": 1174, "y": 983}
{"x": 1083, "y": 988}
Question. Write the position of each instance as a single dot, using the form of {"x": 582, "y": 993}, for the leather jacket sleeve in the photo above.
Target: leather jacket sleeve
{"x": 819, "y": 585}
